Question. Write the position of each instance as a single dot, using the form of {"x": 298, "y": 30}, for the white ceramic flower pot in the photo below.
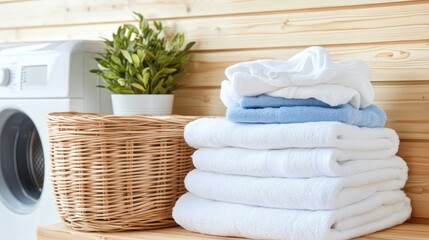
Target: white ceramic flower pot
{"x": 148, "y": 104}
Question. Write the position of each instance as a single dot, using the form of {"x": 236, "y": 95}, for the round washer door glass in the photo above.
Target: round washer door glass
{"x": 21, "y": 162}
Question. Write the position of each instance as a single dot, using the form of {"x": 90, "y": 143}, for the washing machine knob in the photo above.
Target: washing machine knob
{"x": 4, "y": 77}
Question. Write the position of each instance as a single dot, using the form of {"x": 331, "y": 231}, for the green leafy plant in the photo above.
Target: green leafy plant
{"x": 141, "y": 60}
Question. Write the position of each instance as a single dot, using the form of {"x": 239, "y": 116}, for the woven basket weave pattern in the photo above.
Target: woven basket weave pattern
{"x": 117, "y": 173}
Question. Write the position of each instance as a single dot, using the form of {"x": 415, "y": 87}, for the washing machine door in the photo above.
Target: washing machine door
{"x": 21, "y": 162}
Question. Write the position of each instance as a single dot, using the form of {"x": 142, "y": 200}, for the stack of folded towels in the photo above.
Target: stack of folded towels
{"x": 302, "y": 154}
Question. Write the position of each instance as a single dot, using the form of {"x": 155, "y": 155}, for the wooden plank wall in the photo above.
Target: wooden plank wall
{"x": 391, "y": 36}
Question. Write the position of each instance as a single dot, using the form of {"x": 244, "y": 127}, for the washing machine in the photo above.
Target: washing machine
{"x": 36, "y": 79}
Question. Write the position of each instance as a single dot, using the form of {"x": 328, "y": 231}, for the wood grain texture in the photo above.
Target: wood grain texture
{"x": 409, "y": 119}
{"x": 321, "y": 27}
{"x": 59, "y": 231}
{"x": 71, "y": 12}
{"x": 417, "y": 187}
{"x": 389, "y": 61}
{"x": 198, "y": 101}
{"x": 332, "y": 26}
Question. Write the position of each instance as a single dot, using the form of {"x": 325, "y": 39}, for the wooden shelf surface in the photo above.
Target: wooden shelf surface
{"x": 406, "y": 231}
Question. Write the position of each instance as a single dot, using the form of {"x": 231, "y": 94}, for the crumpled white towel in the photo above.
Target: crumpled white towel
{"x": 294, "y": 193}
{"x": 311, "y": 67}
{"x": 219, "y": 133}
{"x": 382, "y": 210}
{"x": 294, "y": 163}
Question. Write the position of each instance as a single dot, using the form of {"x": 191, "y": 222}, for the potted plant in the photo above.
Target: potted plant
{"x": 140, "y": 67}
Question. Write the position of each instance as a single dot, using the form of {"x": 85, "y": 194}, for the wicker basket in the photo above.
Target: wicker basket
{"x": 116, "y": 173}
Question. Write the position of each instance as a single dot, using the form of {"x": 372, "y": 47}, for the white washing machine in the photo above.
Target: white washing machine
{"x": 36, "y": 79}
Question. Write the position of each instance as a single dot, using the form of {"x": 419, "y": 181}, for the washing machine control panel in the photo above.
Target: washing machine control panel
{"x": 16, "y": 78}
{"x": 49, "y": 70}
{"x": 35, "y": 75}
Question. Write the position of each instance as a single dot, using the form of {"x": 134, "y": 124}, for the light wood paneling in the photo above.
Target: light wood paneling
{"x": 417, "y": 187}
{"x": 198, "y": 101}
{"x": 319, "y": 27}
{"x": 59, "y": 231}
{"x": 403, "y": 91}
{"x": 389, "y": 61}
{"x": 409, "y": 119}
{"x": 72, "y": 12}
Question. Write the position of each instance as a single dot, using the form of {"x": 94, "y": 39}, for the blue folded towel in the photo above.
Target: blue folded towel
{"x": 262, "y": 101}
{"x": 371, "y": 116}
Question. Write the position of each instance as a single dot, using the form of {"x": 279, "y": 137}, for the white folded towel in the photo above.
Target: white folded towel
{"x": 382, "y": 210}
{"x": 331, "y": 94}
{"x": 294, "y": 163}
{"x": 313, "y": 66}
{"x": 219, "y": 133}
{"x": 294, "y": 193}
